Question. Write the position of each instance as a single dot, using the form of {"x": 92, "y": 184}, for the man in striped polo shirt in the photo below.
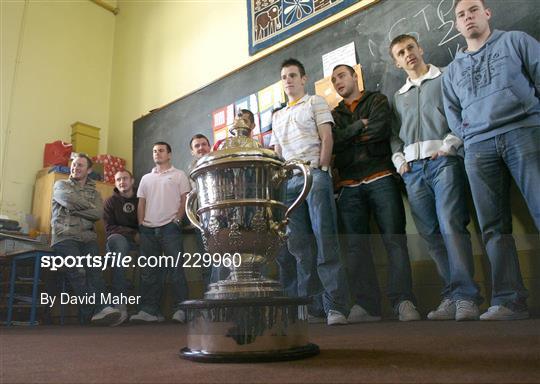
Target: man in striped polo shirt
{"x": 302, "y": 129}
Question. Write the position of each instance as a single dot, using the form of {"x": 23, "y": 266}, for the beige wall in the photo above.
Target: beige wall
{"x": 77, "y": 61}
{"x": 164, "y": 50}
{"x": 56, "y": 69}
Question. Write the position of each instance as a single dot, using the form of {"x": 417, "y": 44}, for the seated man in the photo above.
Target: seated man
{"x": 76, "y": 206}
{"x": 121, "y": 226}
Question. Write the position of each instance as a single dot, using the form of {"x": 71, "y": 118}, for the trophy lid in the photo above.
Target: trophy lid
{"x": 240, "y": 147}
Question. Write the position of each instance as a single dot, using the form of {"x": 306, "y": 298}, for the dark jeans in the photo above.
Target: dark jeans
{"x": 122, "y": 246}
{"x": 165, "y": 240}
{"x": 382, "y": 198}
{"x": 85, "y": 280}
{"x": 437, "y": 196}
{"x": 313, "y": 240}
{"x": 490, "y": 164}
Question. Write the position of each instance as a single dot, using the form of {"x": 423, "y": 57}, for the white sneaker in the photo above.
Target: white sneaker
{"x": 466, "y": 310}
{"x": 360, "y": 315}
{"x": 499, "y": 312}
{"x": 179, "y": 316}
{"x": 143, "y": 317}
{"x": 335, "y": 318}
{"x": 445, "y": 311}
{"x": 407, "y": 311}
{"x": 106, "y": 316}
{"x": 123, "y": 315}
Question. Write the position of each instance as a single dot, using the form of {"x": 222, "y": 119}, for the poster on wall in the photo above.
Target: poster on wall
{"x": 221, "y": 119}
{"x": 271, "y": 21}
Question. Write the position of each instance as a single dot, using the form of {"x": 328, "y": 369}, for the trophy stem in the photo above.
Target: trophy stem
{"x": 246, "y": 271}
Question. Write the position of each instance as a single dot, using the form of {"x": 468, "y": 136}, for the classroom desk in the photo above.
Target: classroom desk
{"x": 12, "y": 258}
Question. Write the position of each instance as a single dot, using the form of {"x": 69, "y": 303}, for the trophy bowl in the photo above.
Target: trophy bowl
{"x": 241, "y": 215}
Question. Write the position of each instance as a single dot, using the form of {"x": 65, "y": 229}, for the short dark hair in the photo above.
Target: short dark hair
{"x": 169, "y": 150}
{"x": 400, "y": 39}
{"x": 85, "y": 156}
{"x": 198, "y": 136}
{"x": 456, "y": 2}
{"x": 290, "y": 62}
{"x": 250, "y": 114}
{"x": 125, "y": 170}
{"x": 351, "y": 69}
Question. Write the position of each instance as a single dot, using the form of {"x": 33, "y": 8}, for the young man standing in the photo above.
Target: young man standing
{"x": 162, "y": 198}
{"x": 121, "y": 227}
{"x": 76, "y": 206}
{"x": 368, "y": 185}
{"x": 303, "y": 130}
{"x": 429, "y": 158}
{"x": 491, "y": 98}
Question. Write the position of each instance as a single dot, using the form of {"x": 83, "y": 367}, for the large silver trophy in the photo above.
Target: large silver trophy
{"x": 238, "y": 206}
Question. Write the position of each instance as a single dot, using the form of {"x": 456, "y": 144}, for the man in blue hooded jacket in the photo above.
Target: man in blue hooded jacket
{"x": 491, "y": 98}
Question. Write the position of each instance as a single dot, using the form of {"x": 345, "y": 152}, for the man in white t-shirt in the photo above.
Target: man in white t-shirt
{"x": 303, "y": 130}
{"x": 162, "y": 197}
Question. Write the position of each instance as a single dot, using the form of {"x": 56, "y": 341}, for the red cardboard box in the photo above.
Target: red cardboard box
{"x": 111, "y": 165}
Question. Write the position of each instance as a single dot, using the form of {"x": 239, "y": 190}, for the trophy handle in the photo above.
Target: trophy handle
{"x": 191, "y": 211}
{"x": 308, "y": 180}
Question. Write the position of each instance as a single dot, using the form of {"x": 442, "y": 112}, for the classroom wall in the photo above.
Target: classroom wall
{"x": 67, "y": 61}
{"x": 164, "y": 50}
{"x": 56, "y": 69}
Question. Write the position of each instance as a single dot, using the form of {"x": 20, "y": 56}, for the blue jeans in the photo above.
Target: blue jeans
{"x": 437, "y": 196}
{"x": 85, "y": 280}
{"x": 355, "y": 204}
{"x": 288, "y": 278}
{"x": 287, "y": 272}
{"x": 122, "y": 246}
{"x": 165, "y": 240}
{"x": 490, "y": 164}
{"x": 313, "y": 241}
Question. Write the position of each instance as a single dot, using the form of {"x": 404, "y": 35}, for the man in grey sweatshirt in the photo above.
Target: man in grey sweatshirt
{"x": 430, "y": 160}
{"x": 491, "y": 98}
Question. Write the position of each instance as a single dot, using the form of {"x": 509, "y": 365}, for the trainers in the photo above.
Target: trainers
{"x": 335, "y": 318}
{"x": 407, "y": 311}
{"x": 445, "y": 311}
{"x": 123, "y": 315}
{"x": 360, "y": 315}
{"x": 106, "y": 316}
{"x": 143, "y": 317}
{"x": 499, "y": 312}
{"x": 466, "y": 310}
{"x": 315, "y": 319}
{"x": 179, "y": 316}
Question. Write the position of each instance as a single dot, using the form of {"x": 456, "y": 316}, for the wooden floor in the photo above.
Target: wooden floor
{"x": 389, "y": 351}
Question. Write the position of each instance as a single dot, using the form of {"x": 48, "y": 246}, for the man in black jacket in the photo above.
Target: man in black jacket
{"x": 121, "y": 226}
{"x": 367, "y": 184}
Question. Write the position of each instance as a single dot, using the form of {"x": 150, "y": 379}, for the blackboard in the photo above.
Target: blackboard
{"x": 432, "y": 21}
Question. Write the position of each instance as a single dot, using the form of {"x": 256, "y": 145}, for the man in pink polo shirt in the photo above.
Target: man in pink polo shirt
{"x": 162, "y": 196}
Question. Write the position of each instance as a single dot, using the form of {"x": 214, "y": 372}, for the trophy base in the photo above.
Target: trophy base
{"x": 253, "y": 357}
{"x": 247, "y": 288}
{"x": 247, "y": 330}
